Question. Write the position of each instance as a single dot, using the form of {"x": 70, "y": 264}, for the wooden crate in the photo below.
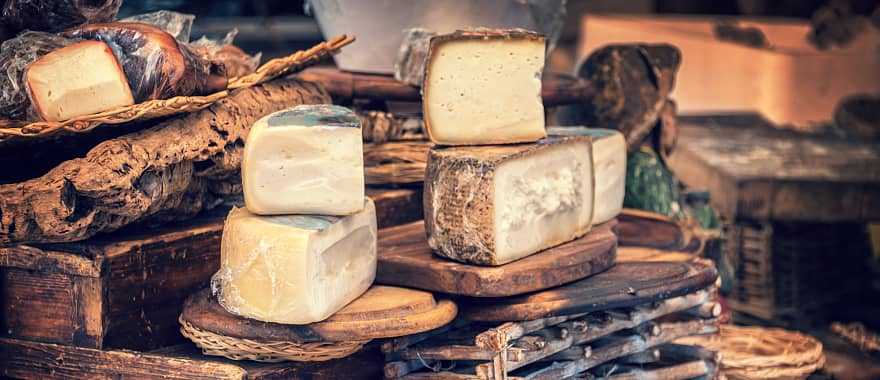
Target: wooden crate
{"x": 26, "y": 359}
{"x": 791, "y": 84}
{"x": 794, "y": 273}
{"x": 126, "y": 290}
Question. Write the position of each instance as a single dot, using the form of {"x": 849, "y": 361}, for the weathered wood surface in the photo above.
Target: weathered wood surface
{"x": 126, "y": 289}
{"x": 647, "y": 229}
{"x": 625, "y": 284}
{"x": 346, "y": 86}
{"x": 759, "y": 173}
{"x": 167, "y": 172}
{"x": 382, "y": 312}
{"x": 25, "y": 359}
{"x": 406, "y": 260}
{"x": 396, "y": 162}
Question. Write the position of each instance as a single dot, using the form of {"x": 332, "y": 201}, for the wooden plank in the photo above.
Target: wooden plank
{"x": 405, "y": 259}
{"x": 25, "y": 359}
{"x": 396, "y": 206}
{"x": 759, "y": 173}
{"x": 381, "y": 312}
{"x": 638, "y": 228}
{"x": 36, "y": 305}
{"x": 626, "y": 284}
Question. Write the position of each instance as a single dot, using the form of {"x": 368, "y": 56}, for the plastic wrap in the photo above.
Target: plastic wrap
{"x": 237, "y": 62}
{"x": 56, "y": 15}
{"x": 176, "y": 24}
{"x": 15, "y": 56}
{"x": 156, "y": 65}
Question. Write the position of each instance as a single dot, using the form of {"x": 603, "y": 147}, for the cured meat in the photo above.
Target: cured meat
{"x": 156, "y": 65}
{"x": 55, "y": 15}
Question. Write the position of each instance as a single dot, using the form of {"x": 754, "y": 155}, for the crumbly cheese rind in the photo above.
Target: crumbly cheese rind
{"x": 477, "y": 199}
{"x": 484, "y": 87}
{"x": 295, "y": 269}
{"x": 305, "y": 160}
{"x": 609, "y": 158}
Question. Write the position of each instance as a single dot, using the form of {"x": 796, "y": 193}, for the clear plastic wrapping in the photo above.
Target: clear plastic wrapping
{"x": 237, "y": 62}
{"x": 178, "y": 25}
{"x": 15, "y": 56}
{"x": 55, "y": 15}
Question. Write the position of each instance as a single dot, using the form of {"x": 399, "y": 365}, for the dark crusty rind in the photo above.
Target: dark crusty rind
{"x": 410, "y": 64}
{"x": 459, "y": 197}
{"x": 459, "y": 35}
{"x": 157, "y": 65}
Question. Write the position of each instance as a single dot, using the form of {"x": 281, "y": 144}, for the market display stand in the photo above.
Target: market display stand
{"x": 793, "y": 205}
{"x": 119, "y": 291}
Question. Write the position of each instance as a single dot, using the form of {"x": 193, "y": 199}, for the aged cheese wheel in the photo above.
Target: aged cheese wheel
{"x": 305, "y": 160}
{"x": 157, "y": 65}
{"x": 295, "y": 269}
{"x": 609, "y": 163}
{"x": 77, "y": 80}
{"x": 491, "y": 205}
{"x": 484, "y": 87}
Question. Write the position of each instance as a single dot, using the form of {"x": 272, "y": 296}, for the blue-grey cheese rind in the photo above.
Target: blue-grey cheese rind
{"x": 319, "y": 115}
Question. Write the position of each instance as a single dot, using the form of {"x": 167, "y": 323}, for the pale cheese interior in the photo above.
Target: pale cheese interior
{"x": 542, "y": 200}
{"x": 303, "y": 170}
{"x": 77, "y": 80}
{"x": 295, "y": 269}
{"x": 485, "y": 91}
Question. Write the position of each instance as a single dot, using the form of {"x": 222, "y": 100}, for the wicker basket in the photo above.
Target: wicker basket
{"x": 269, "y": 351}
{"x": 164, "y": 107}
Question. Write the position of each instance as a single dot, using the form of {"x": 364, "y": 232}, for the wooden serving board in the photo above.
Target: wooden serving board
{"x": 406, "y": 260}
{"x": 753, "y": 171}
{"x": 624, "y": 285}
{"x": 381, "y": 312}
{"x": 638, "y": 228}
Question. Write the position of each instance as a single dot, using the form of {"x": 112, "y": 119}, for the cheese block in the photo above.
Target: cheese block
{"x": 305, "y": 160}
{"x": 609, "y": 163}
{"x": 77, "y": 80}
{"x": 295, "y": 269}
{"x": 484, "y": 87}
{"x": 495, "y": 204}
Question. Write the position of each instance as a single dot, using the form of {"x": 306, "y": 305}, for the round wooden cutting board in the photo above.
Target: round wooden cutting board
{"x": 624, "y": 285}
{"x": 381, "y": 312}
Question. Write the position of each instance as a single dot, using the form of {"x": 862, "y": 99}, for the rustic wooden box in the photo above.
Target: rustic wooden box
{"x": 126, "y": 290}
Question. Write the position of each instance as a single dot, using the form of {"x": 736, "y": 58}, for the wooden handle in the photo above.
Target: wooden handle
{"x": 557, "y": 89}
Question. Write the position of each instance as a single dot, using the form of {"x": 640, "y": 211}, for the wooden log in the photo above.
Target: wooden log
{"x": 126, "y": 290}
{"x": 162, "y": 173}
{"x": 26, "y": 359}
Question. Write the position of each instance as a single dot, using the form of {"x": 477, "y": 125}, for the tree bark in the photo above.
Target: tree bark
{"x": 168, "y": 172}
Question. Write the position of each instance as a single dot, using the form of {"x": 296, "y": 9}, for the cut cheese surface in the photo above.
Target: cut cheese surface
{"x": 609, "y": 162}
{"x": 493, "y": 205}
{"x": 484, "y": 87}
{"x": 295, "y": 269}
{"x": 305, "y": 160}
{"x": 77, "y": 80}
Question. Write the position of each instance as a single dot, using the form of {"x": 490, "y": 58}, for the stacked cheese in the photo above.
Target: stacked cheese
{"x": 493, "y": 204}
{"x": 305, "y": 246}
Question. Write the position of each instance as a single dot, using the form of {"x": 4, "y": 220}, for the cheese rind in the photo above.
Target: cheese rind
{"x": 295, "y": 269}
{"x": 609, "y": 162}
{"x": 484, "y": 87}
{"x": 77, "y": 80}
{"x": 493, "y": 205}
{"x": 305, "y": 160}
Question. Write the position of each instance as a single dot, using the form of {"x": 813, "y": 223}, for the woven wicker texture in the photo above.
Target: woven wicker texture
{"x": 164, "y": 107}
{"x": 763, "y": 353}
{"x": 269, "y": 352}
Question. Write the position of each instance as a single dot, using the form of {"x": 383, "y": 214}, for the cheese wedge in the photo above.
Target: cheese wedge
{"x": 77, "y": 80}
{"x": 305, "y": 160}
{"x": 295, "y": 269}
{"x": 609, "y": 163}
{"x": 484, "y": 87}
{"x": 495, "y": 204}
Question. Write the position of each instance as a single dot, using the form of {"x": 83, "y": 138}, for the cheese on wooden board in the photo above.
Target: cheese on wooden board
{"x": 80, "y": 79}
{"x": 484, "y": 87}
{"x": 295, "y": 269}
{"x": 305, "y": 160}
{"x": 609, "y": 163}
{"x": 491, "y": 205}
